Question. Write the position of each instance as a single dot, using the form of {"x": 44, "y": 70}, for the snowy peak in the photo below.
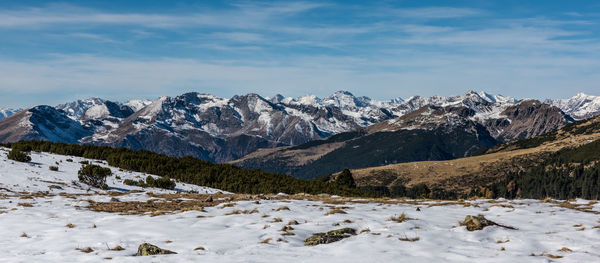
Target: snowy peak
{"x": 4, "y": 113}
{"x": 76, "y": 109}
{"x": 137, "y": 105}
{"x": 580, "y": 106}
{"x": 41, "y": 123}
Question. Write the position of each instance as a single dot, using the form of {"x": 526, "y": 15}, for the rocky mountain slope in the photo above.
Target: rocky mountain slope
{"x": 454, "y": 128}
{"x": 41, "y": 123}
{"x": 220, "y": 129}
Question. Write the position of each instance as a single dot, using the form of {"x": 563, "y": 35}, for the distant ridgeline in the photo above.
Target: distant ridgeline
{"x": 192, "y": 170}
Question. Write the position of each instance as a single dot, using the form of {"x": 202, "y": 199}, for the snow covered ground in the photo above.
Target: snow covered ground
{"x": 52, "y": 227}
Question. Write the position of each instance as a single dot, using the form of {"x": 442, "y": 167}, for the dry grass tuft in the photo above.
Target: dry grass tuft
{"x": 237, "y": 212}
{"x": 286, "y": 228}
{"x": 157, "y": 213}
{"x": 266, "y": 241}
{"x": 24, "y": 235}
{"x": 293, "y": 222}
{"x": 400, "y": 219}
{"x": 86, "y": 250}
{"x": 277, "y": 220}
{"x": 282, "y": 208}
{"x": 365, "y": 230}
{"x": 565, "y": 249}
{"x": 69, "y": 225}
{"x": 502, "y": 205}
{"x": 199, "y": 248}
{"x": 227, "y": 205}
{"x": 25, "y": 204}
{"x": 409, "y": 239}
{"x": 117, "y": 248}
{"x": 335, "y": 211}
{"x": 552, "y": 256}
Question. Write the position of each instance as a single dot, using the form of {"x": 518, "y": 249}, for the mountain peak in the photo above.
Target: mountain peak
{"x": 342, "y": 93}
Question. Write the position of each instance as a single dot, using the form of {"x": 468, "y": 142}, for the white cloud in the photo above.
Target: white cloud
{"x": 435, "y": 12}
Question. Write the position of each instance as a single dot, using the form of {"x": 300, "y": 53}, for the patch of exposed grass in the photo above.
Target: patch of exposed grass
{"x": 86, "y": 250}
{"x": 335, "y": 211}
{"x": 69, "y": 225}
{"x": 409, "y": 239}
{"x": 282, "y": 208}
{"x": 117, "y": 248}
{"x": 266, "y": 241}
{"x": 399, "y": 219}
{"x": 237, "y": 212}
{"x": 565, "y": 249}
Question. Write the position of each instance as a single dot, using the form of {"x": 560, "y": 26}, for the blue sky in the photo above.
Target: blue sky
{"x": 53, "y": 52}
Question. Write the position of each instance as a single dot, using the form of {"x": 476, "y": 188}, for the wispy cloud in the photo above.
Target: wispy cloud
{"x": 299, "y": 47}
{"x": 435, "y": 12}
{"x": 245, "y": 15}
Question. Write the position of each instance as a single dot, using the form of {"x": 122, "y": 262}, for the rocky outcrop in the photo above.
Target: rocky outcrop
{"x": 479, "y": 222}
{"x": 329, "y": 237}
{"x": 147, "y": 249}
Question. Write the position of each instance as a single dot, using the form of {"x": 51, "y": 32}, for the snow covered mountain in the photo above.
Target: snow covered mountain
{"x": 580, "y": 106}
{"x": 8, "y": 112}
{"x": 42, "y": 123}
{"x": 444, "y": 128}
{"x": 222, "y": 129}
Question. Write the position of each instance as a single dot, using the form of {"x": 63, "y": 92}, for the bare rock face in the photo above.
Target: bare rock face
{"x": 147, "y": 249}
{"x": 527, "y": 119}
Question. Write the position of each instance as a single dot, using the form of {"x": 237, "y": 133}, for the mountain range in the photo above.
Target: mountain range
{"x": 223, "y": 130}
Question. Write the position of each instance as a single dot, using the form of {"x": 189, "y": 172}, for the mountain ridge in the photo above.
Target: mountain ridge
{"x": 221, "y": 129}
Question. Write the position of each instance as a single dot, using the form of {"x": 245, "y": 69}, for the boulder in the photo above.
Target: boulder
{"x": 477, "y": 222}
{"x": 329, "y": 237}
{"x": 147, "y": 249}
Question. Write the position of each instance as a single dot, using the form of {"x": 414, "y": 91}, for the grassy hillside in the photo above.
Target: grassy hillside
{"x": 562, "y": 164}
{"x": 568, "y": 173}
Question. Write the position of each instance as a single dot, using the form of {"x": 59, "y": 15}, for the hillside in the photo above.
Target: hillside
{"x": 460, "y": 128}
{"x": 464, "y": 175}
{"x": 191, "y": 170}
